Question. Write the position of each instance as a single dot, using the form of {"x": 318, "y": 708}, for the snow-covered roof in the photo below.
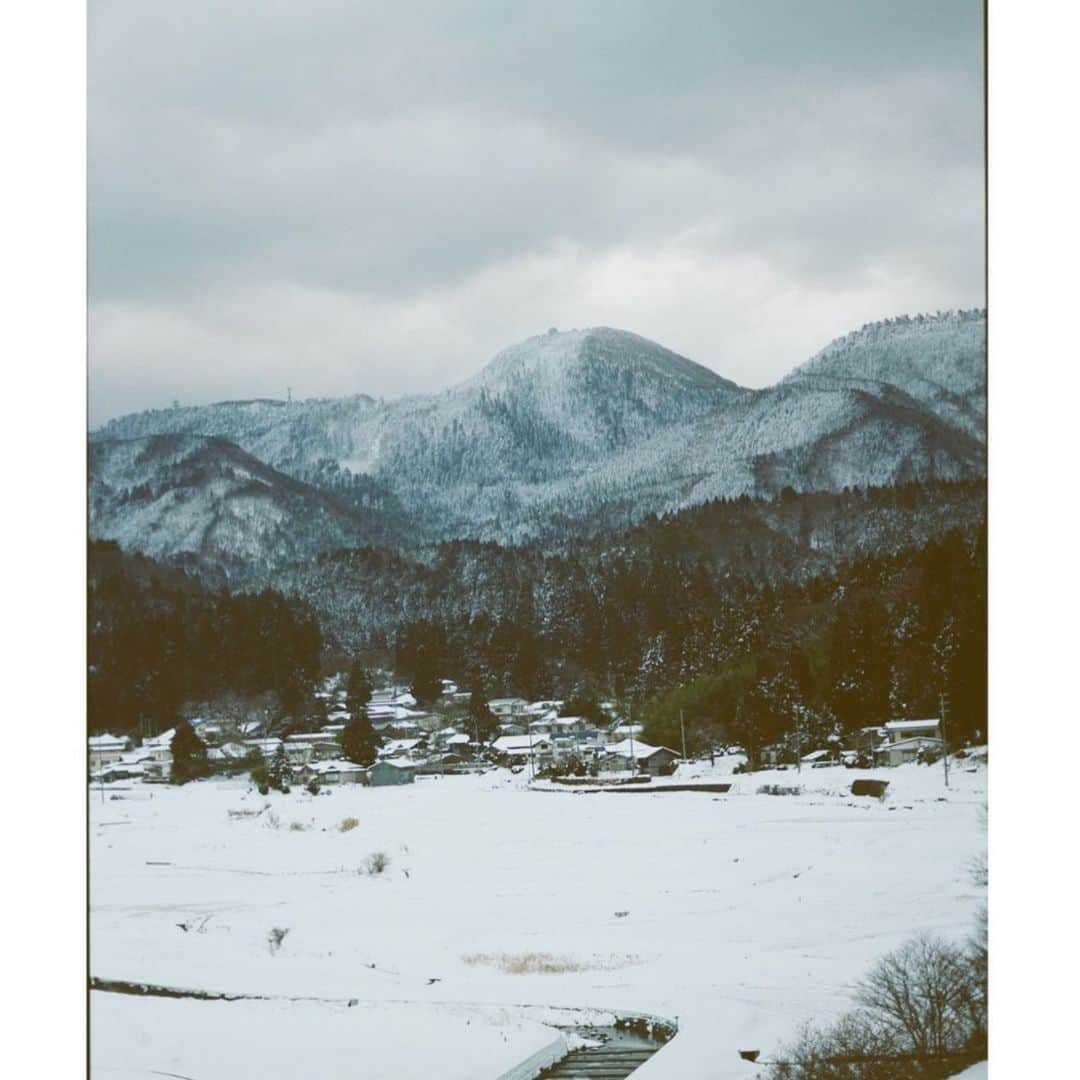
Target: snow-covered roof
{"x": 816, "y": 755}
{"x": 164, "y": 739}
{"x": 543, "y": 707}
{"x": 517, "y": 744}
{"x": 226, "y": 752}
{"x": 107, "y": 742}
{"x": 134, "y": 768}
{"x": 458, "y": 739}
{"x": 263, "y": 744}
{"x": 398, "y": 746}
{"x": 913, "y": 725}
{"x": 393, "y": 764}
{"x": 636, "y": 748}
{"x": 335, "y": 766}
{"x": 628, "y": 729}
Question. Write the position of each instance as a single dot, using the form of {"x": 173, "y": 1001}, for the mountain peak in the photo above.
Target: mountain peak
{"x": 568, "y": 356}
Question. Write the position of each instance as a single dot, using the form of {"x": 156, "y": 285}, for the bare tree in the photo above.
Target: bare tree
{"x": 921, "y": 992}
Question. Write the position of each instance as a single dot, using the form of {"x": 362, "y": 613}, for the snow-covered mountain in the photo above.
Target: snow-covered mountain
{"x": 205, "y": 502}
{"x": 938, "y": 361}
{"x": 569, "y": 430}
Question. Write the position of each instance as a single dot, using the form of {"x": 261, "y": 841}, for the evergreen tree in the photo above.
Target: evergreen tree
{"x": 278, "y": 771}
{"x": 485, "y": 723}
{"x": 188, "y": 754}
{"x": 760, "y": 719}
{"x": 359, "y": 688}
{"x": 359, "y": 740}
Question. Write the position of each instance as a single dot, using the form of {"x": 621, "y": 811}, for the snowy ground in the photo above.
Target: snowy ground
{"x": 739, "y": 914}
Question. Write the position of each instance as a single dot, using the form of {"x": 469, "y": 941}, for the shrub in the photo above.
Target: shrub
{"x": 778, "y": 789}
{"x": 348, "y": 824}
{"x": 375, "y": 864}
{"x": 313, "y": 786}
{"x": 276, "y": 936}
{"x": 299, "y": 826}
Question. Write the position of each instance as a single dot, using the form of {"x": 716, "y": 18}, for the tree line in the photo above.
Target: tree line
{"x": 157, "y": 638}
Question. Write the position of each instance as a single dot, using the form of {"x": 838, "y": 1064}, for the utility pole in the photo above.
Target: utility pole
{"x": 633, "y": 760}
{"x": 682, "y": 730}
{"x": 943, "y": 701}
{"x": 532, "y": 760}
{"x": 798, "y": 742}
{"x": 288, "y": 391}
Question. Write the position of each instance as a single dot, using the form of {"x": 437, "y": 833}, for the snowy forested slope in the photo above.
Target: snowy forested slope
{"x": 205, "y": 501}
{"x": 576, "y": 430}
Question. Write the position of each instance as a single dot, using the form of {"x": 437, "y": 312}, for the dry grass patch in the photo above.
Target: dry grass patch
{"x": 538, "y": 963}
{"x": 348, "y": 824}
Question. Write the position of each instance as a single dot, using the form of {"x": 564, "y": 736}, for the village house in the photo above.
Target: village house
{"x": 105, "y": 749}
{"x": 637, "y": 756}
{"x": 227, "y": 753}
{"x": 387, "y": 773}
{"x": 910, "y": 740}
{"x": 267, "y": 747}
{"x": 402, "y": 748}
{"x": 458, "y": 744}
{"x": 303, "y": 748}
{"x": 334, "y": 771}
{"x": 508, "y": 708}
{"x": 518, "y": 749}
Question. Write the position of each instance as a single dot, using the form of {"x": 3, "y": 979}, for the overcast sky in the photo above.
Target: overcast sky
{"x": 373, "y": 197}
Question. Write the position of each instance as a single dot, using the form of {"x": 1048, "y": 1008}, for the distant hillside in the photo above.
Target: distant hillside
{"x": 202, "y": 502}
{"x": 571, "y": 432}
{"x": 362, "y": 594}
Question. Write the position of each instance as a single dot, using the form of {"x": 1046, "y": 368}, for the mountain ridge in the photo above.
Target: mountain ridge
{"x": 598, "y": 427}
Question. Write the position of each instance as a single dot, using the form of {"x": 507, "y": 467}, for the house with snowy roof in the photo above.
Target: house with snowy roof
{"x": 515, "y": 749}
{"x": 508, "y": 708}
{"x": 333, "y": 771}
{"x": 105, "y": 749}
{"x": 909, "y": 740}
{"x": 898, "y": 730}
{"x": 386, "y": 773}
{"x": 305, "y": 747}
{"x": 637, "y": 756}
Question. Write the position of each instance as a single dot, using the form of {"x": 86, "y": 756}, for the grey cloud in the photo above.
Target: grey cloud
{"x": 409, "y": 162}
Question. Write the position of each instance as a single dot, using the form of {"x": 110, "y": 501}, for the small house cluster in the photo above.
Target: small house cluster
{"x": 413, "y": 742}
{"x": 898, "y": 742}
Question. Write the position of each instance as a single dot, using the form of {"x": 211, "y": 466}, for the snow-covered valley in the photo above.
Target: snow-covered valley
{"x": 740, "y": 915}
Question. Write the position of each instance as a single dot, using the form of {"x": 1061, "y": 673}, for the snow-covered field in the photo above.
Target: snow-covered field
{"x": 741, "y": 915}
